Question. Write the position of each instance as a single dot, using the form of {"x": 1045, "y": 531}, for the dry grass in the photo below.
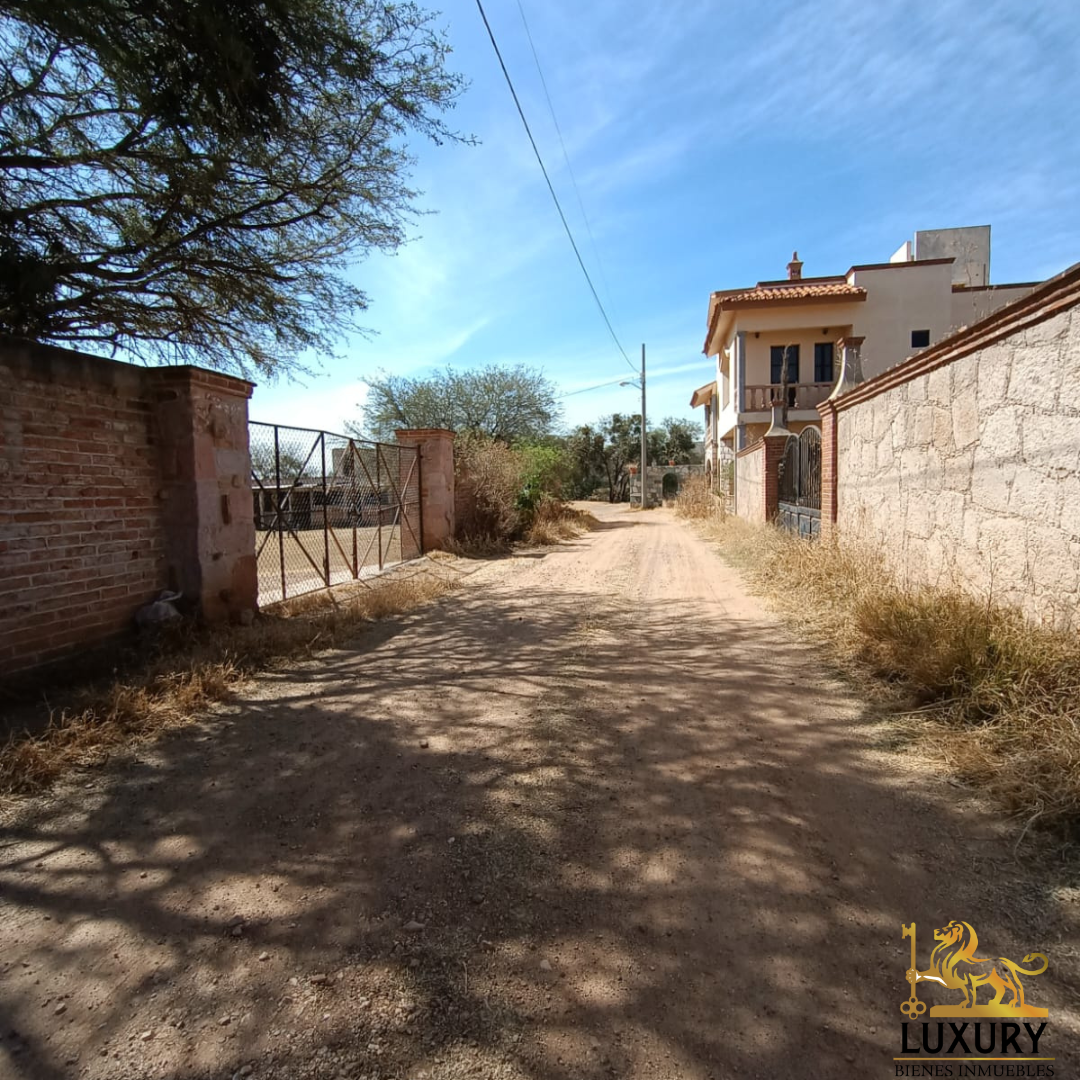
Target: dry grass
{"x": 195, "y": 669}
{"x": 992, "y": 696}
{"x": 697, "y": 502}
{"x": 554, "y": 520}
{"x": 550, "y": 523}
{"x": 479, "y": 547}
{"x": 488, "y": 479}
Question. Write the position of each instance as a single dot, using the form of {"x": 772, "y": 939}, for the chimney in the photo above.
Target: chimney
{"x": 794, "y": 268}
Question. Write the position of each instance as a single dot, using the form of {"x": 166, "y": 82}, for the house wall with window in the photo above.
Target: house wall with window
{"x": 902, "y": 299}
{"x": 909, "y": 306}
{"x": 899, "y": 308}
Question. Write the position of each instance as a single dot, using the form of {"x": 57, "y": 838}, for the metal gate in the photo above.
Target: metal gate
{"x": 800, "y": 483}
{"x": 329, "y": 508}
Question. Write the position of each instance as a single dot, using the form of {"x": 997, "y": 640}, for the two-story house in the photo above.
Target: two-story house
{"x": 924, "y": 292}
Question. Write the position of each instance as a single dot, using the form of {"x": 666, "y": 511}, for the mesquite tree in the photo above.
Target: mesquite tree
{"x": 509, "y": 403}
{"x": 188, "y": 180}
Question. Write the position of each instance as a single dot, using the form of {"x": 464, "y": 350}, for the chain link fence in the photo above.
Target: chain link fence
{"x": 329, "y": 508}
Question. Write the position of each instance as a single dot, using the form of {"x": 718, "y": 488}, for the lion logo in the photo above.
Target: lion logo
{"x": 953, "y": 963}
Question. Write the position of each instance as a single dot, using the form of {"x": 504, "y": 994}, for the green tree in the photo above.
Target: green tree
{"x": 585, "y": 450}
{"x": 206, "y": 64}
{"x": 601, "y": 454}
{"x": 188, "y": 180}
{"x": 509, "y": 404}
{"x": 674, "y": 440}
{"x": 546, "y": 472}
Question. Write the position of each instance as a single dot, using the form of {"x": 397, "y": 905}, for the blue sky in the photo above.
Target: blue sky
{"x": 708, "y": 141}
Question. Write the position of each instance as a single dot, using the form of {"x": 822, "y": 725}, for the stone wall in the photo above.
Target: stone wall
{"x": 654, "y": 487}
{"x": 750, "y": 483}
{"x": 118, "y": 482}
{"x": 962, "y": 466}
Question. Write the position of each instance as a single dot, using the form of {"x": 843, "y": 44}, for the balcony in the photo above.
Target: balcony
{"x": 800, "y": 396}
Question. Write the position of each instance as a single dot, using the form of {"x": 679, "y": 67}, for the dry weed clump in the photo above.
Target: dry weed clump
{"x": 554, "y": 520}
{"x": 505, "y": 494}
{"x": 488, "y": 479}
{"x": 195, "y": 669}
{"x": 697, "y": 502}
{"x": 994, "y": 697}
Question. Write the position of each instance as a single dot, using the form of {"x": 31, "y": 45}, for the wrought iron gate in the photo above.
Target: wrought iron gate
{"x": 800, "y": 483}
{"x": 329, "y": 508}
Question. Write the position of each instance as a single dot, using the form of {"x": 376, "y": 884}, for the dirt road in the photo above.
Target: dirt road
{"x": 596, "y": 815}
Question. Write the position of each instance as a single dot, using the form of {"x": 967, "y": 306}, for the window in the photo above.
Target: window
{"x": 776, "y": 366}
{"x": 823, "y": 362}
{"x": 776, "y": 358}
{"x": 920, "y": 339}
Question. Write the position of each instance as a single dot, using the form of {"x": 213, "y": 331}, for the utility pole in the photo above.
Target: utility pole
{"x": 644, "y": 456}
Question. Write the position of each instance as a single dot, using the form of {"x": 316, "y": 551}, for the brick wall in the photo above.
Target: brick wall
{"x": 86, "y": 535}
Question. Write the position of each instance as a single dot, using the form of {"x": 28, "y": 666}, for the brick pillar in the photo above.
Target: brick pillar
{"x": 775, "y": 440}
{"x": 202, "y": 425}
{"x": 827, "y": 412}
{"x": 774, "y": 454}
{"x": 436, "y": 482}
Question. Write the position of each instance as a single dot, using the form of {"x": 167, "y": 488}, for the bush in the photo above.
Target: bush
{"x": 553, "y": 520}
{"x": 696, "y": 501}
{"x": 488, "y": 480}
{"x": 506, "y": 493}
{"x": 545, "y": 474}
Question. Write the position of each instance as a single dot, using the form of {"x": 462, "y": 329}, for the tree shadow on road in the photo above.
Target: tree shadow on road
{"x": 640, "y": 842}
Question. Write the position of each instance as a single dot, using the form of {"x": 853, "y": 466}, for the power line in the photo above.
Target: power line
{"x": 551, "y": 188}
{"x": 598, "y": 386}
{"x": 566, "y": 156}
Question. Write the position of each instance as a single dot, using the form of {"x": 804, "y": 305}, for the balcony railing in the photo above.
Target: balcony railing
{"x": 800, "y": 396}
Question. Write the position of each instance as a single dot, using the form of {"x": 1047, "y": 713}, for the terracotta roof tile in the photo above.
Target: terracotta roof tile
{"x": 768, "y": 293}
{"x": 789, "y": 290}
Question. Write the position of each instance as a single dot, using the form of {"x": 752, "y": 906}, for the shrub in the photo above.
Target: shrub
{"x": 696, "y": 501}
{"x": 545, "y": 474}
{"x": 488, "y": 479}
{"x": 506, "y": 493}
{"x": 554, "y": 520}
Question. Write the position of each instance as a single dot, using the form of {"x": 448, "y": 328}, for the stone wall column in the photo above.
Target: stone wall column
{"x": 850, "y": 365}
{"x": 436, "y": 483}
{"x": 204, "y": 458}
